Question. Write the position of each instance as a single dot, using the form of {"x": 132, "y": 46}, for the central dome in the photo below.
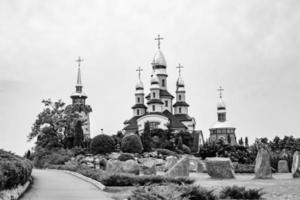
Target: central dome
{"x": 221, "y": 104}
{"x": 159, "y": 58}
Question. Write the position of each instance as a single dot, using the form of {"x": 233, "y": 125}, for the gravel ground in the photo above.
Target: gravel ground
{"x": 281, "y": 187}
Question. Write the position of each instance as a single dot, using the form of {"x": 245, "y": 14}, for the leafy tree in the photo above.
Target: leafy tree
{"x": 146, "y": 138}
{"x": 78, "y": 136}
{"x": 102, "y": 144}
{"x": 132, "y": 144}
{"x": 246, "y": 142}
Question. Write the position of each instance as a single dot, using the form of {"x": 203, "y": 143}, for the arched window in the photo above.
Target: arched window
{"x": 179, "y": 110}
{"x": 163, "y": 82}
{"x": 153, "y": 108}
{"x": 153, "y": 94}
{"x": 179, "y": 97}
{"x": 166, "y": 103}
{"x": 138, "y": 112}
{"x": 138, "y": 99}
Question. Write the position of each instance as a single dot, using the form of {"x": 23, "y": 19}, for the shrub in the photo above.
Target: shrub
{"x": 166, "y": 192}
{"x": 236, "y": 192}
{"x": 102, "y": 144}
{"x": 166, "y": 152}
{"x": 186, "y": 149}
{"x": 14, "y": 170}
{"x": 132, "y": 144}
{"x": 125, "y": 156}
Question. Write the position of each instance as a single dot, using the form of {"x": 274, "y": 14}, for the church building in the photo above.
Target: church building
{"x": 222, "y": 129}
{"x": 157, "y": 106}
{"x": 78, "y": 102}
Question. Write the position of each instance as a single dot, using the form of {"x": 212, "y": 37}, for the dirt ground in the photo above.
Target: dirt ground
{"x": 281, "y": 187}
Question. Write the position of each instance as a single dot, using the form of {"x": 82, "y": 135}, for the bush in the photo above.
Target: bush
{"x": 14, "y": 170}
{"x": 125, "y": 157}
{"x": 236, "y": 192}
{"x": 102, "y": 144}
{"x": 132, "y": 144}
{"x": 186, "y": 149}
{"x": 166, "y": 192}
{"x": 166, "y": 152}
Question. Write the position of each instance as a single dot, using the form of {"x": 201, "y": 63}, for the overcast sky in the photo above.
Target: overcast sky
{"x": 251, "y": 48}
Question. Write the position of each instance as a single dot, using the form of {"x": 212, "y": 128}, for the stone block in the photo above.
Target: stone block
{"x": 263, "y": 169}
{"x": 219, "y": 168}
{"x": 181, "y": 168}
{"x": 296, "y": 165}
{"x": 283, "y": 166}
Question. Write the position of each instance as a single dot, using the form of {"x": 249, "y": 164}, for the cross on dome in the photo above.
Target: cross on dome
{"x": 220, "y": 89}
{"x": 179, "y": 67}
{"x": 158, "y": 40}
{"x": 139, "y": 71}
{"x": 79, "y": 60}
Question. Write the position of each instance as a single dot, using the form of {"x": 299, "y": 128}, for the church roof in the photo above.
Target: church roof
{"x": 155, "y": 101}
{"x": 219, "y": 125}
{"x": 162, "y": 93}
{"x": 132, "y": 123}
{"x": 181, "y": 103}
{"x": 183, "y": 117}
{"x": 78, "y": 94}
{"x": 174, "y": 121}
{"x": 139, "y": 106}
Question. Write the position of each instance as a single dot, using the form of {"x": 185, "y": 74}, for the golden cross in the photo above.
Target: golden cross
{"x": 139, "y": 70}
{"x": 220, "y": 89}
{"x": 179, "y": 67}
{"x": 79, "y": 60}
{"x": 158, "y": 40}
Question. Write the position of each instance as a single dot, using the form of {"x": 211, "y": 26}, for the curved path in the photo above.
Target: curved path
{"x": 57, "y": 185}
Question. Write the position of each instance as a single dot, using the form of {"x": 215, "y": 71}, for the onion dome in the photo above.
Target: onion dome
{"x": 154, "y": 81}
{"x": 139, "y": 85}
{"x": 159, "y": 59}
{"x": 180, "y": 82}
{"x": 221, "y": 105}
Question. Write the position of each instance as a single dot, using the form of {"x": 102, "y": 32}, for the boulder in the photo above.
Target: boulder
{"x": 171, "y": 161}
{"x": 296, "y": 165}
{"x": 148, "y": 170}
{"x": 201, "y": 167}
{"x": 114, "y": 166}
{"x": 283, "y": 166}
{"x": 193, "y": 164}
{"x": 102, "y": 164}
{"x": 114, "y": 156}
{"x": 181, "y": 168}
{"x": 219, "y": 168}
{"x": 263, "y": 168}
{"x": 131, "y": 166}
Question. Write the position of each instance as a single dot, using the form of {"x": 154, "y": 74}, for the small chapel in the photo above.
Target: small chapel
{"x": 158, "y": 106}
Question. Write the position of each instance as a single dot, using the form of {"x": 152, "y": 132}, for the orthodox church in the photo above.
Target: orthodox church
{"x": 222, "y": 129}
{"x": 157, "y": 106}
{"x": 78, "y": 102}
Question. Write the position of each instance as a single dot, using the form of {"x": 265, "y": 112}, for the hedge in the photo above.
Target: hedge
{"x": 14, "y": 170}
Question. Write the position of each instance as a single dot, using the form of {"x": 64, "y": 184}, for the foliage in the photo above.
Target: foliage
{"x": 78, "y": 135}
{"x": 125, "y": 157}
{"x": 241, "y": 142}
{"x": 102, "y": 144}
{"x": 236, "y": 192}
{"x": 132, "y": 144}
{"x": 55, "y": 125}
{"x": 246, "y": 142}
{"x": 186, "y": 149}
{"x": 146, "y": 138}
{"x": 186, "y": 137}
{"x": 14, "y": 170}
{"x": 118, "y": 138}
{"x": 166, "y": 152}
{"x": 179, "y": 143}
{"x": 166, "y": 192}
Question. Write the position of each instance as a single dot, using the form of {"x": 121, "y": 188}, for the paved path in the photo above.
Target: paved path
{"x": 56, "y": 185}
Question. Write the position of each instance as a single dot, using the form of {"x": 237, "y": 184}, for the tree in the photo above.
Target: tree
{"x": 55, "y": 125}
{"x": 228, "y": 139}
{"x": 132, "y": 144}
{"x": 146, "y": 138}
{"x": 78, "y": 135}
{"x": 246, "y": 142}
{"x": 241, "y": 142}
{"x": 102, "y": 144}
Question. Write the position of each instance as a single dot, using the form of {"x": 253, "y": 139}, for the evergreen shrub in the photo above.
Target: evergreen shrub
{"x": 132, "y": 144}
{"x": 102, "y": 144}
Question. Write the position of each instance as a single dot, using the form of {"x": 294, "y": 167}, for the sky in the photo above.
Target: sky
{"x": 250, "y": 48}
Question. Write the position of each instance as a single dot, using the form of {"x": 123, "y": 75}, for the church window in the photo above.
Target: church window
{"x": 179, "y": 110}
{"x": 179, "y": 97}
{"x": 153, "y": 94}
{"x": 153, "y": 108}
{"x": 166, "y": 103}
{"x": 138, "y": 99}
{"x": 138, "y": 112}
{"x": 163, "y": 83}
{"x": 153, "y": 125}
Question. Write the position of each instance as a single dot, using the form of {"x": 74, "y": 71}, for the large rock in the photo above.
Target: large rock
{"x": 296, "y": 165}
{"x": 283, "y": 166}
{"x": 131, "y": 166}
{"x": 114, "y": 166}
{"x": 148, "y": 169}
{"x": 263, "y": 168}
{"x": 193, "y": 164}
{"x": 181, "y": 168}
{"x": 219, "y": 168}
{"x": 201, "y": 167}
{"x": 114, "y": 156}
{"x": 170, "y": 162}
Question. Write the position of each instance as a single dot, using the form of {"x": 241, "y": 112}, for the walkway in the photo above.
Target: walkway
{"x": 57, "y": 185}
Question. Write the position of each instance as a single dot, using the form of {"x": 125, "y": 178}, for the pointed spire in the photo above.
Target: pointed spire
{"x": 79, "y": 60}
